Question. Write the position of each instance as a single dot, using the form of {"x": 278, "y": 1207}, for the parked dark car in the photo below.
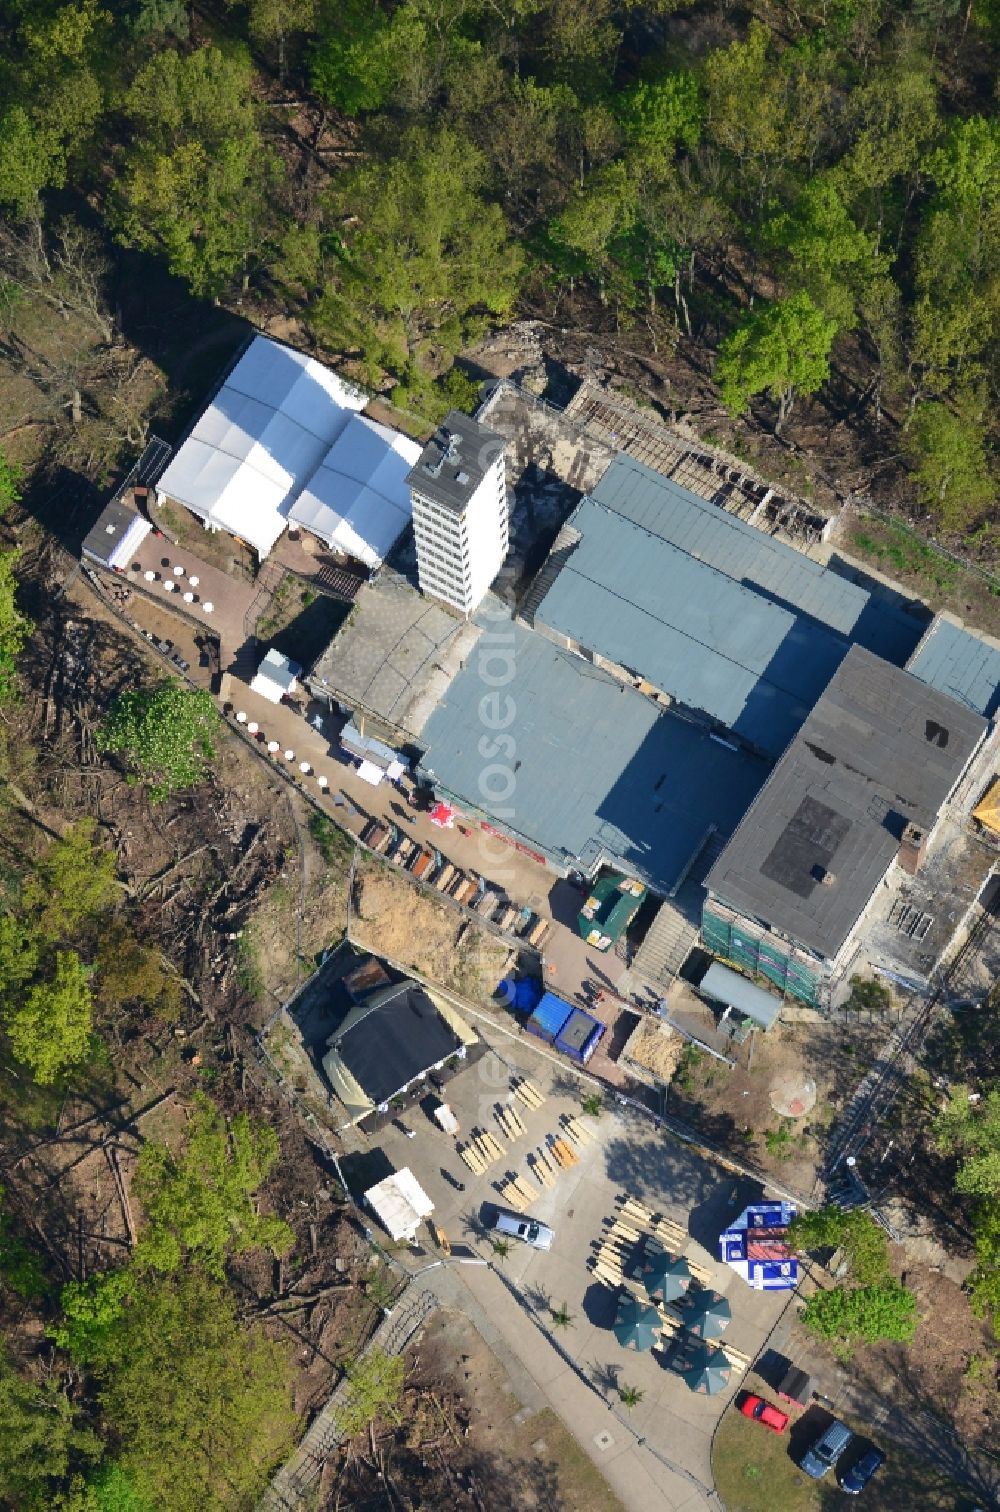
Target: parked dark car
{"x": 825, "y": 1451}
{"x": 854, "y": 1480}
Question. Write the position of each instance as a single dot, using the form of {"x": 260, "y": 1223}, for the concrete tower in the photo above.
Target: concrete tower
{"x": 460, "y": 520}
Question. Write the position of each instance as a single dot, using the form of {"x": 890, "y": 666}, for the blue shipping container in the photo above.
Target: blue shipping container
{"x": 549, "y": 1017}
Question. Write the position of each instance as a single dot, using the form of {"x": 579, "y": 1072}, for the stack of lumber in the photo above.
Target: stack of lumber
{"x": 528, "y": 1093}
{"x": 510, "y": 1121}
{"x": 481, "y": 1151}
{"x": 519, "y": 1193}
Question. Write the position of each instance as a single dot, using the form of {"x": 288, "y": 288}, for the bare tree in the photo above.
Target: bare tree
{"x": 65, "y": 270}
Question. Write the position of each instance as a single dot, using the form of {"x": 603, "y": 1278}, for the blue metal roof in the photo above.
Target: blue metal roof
{"x": 709, "y": 609}
{"x": 779, "y": 572}
{"x": 594, "y": 766}
{"x": 959, "y": 663}
{"x": 691, "y": 630}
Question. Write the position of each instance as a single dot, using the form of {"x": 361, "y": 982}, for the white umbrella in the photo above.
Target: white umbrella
{"x": 169, "y": 585}
{"x": 324, "y": 782}
{"x": 289, "y": 755}
{"x": 150, "y": 577}
{"x": 178, "y": 572}
{"x": 189, "y": 598}
{"x": 241, "y": 718}
{"x": 252, "y": 727}
{"x": 304, "y": 768}
{"x": 208, "y": 607}
{"x": 273, "y": 746}
{"x": 193, "y": 580}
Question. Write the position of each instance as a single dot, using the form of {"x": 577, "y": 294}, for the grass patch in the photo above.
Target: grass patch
{"x": 896, "y": 548}
{"x": 249, "y": 973}
{"x": 331, "y": 842}
{"x": 754, "y": 1473}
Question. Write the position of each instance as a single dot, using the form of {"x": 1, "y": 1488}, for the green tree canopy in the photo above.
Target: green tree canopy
{"x": 885, "y": 1310}
{"x": 779, "y": 349}
{"x": 829, "y": 256}
{"x": 424, "y": 262}
{"x": 166, "y": 733}
{"x": 660, "y": 113}
{"x": 199, "y": 1406}
{"x": 73, "y": 884}
{"x": 856, "y": 1232}
{"x": 949, "y": 460}
{"x": 199, "y": 1203}
{"x": 41, "y": 1438}
{"x": 193, "y": 177}
{"x": 376, "y": 1387}
{"x": 50, "y": 1028}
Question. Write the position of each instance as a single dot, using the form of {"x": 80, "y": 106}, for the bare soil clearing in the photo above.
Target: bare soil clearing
{"x": 464, "y": 1441}
{"x": 392, "y": 917}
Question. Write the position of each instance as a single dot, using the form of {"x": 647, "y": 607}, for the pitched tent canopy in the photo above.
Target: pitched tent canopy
{"x": 282, "y": 440}
{"x": 400, "y": 1204}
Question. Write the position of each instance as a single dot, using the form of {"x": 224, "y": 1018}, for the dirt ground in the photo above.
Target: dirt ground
{"x": 732, "y": 1107}
{"x": 951, "y": 1366}
{"x": 464, "y": 1440}
{"x": 392, "y": 918}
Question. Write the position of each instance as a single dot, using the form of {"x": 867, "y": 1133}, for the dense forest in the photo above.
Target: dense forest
{"x": 794, "y": 208}
{"x": 796, "y": 200}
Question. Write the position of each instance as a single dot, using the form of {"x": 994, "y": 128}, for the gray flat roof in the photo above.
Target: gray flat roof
{"x": 711, "y": 610}
{"x": 879, "y": 751}
{"x": 455, "y": 460}
{"x": 595, "y": 766}
{"x": 960, "y": 663}
{"x": 395, "y": 654}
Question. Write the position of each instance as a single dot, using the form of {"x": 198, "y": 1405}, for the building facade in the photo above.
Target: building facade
{"x": 460, "y": 516}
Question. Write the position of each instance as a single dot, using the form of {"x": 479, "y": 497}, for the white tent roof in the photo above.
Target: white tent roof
{"x": 255, "y": 447}
{"x": 358, "y": 500}
{"x": 400, "y": 1203}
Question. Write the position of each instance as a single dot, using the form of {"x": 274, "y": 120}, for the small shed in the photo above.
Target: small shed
{"x": 987, "y": 810}
{"x": 115, "y": 536}
{"x": 400, "y": 1204}
{"x": 728, "y": 987}
{"x": 276, "y": 676}
{"x": 374, "y": 751}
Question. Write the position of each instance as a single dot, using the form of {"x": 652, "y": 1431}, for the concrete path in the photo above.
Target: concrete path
{"x": 645, "y": 1481}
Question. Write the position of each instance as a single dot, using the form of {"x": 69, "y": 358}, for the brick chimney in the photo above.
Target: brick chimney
{"x": 912, "y": 848}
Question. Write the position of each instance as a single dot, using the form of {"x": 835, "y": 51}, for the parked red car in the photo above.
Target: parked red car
{"x": 756, "y": 1407}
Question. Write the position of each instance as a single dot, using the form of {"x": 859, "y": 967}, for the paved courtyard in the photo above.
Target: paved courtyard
{"x": 630, "y": 1156}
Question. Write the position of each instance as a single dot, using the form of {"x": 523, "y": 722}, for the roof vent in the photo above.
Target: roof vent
{"x": 462, "y": 477}
{"x": 822, "y": 876}
{"x": 110, "y": 529}
{"x": 452, "y": 443}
